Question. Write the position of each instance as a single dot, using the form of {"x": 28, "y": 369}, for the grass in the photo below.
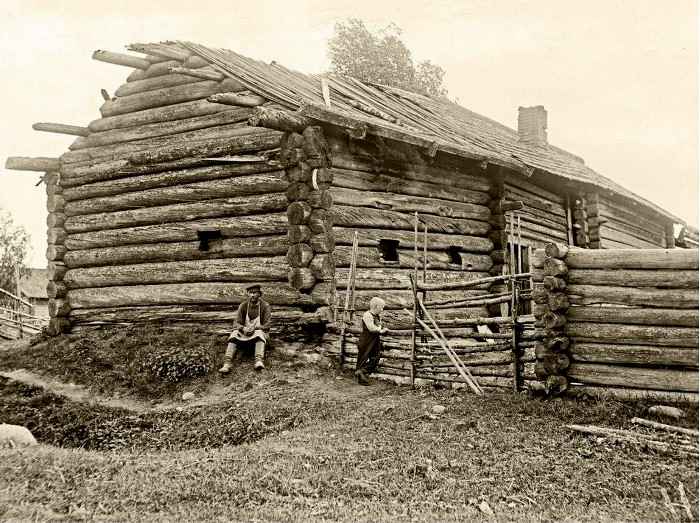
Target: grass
{"x": 297, "y": 444}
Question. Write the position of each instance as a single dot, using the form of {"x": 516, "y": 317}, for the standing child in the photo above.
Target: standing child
{"x": 370, "y": 344}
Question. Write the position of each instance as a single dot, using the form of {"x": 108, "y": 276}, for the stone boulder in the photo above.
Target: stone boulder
{"x": 15, "y": 436}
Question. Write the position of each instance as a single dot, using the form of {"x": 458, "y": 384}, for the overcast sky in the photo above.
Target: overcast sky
{"x": 618, "y": 78}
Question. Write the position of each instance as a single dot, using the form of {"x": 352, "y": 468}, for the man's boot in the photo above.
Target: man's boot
{"x": 259, "y": 355}
{"x": 361, "y": 377}
{"x": 228, "y": 357}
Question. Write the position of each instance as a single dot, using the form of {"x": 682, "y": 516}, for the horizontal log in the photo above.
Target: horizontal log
{"x": 55, "y": 252}
{"x": 167, "y": 96}
{"x": 299, "y": 255}
{"x": 186, "y": 313}
{"x": 618, "y": 354}
{"x": 634, "y": 377}
{"x": 615, "y": 212}
{"x": 55, "y": 203}
{"x": 56, "y": 235}
{"x": 437, "y": 260}
{"x": 153, "y": 252}
{"x": 240, "y": 100}
{"x": 459, "y": 176}
{"x": 669, "y": 279}
{"x": 205, "y": 73}
{"x": 371, "y": 237}
{"x": 164, "y": 179}
{"x": 323, "y": 267}
{"x": 166, "y": 113}
{"x": 346, "y": 216}
{"x": 532, "y": 189}
{"x": 272, "y": 182}
{"x": 635, "y": 316}
{"x": 121, "y": 59}
{"x": 56, "y": 270}
{"x": 60, "y": 128}
{"x": 167, "y": 80}
{"x": 56, "y": 289}
{"x": 253, "y": 141}
{"x": 280, "y": 120}
{"x": 394, "y": 278}
{"x": 125, "y": 150}
{"x": 604, "y": 234}
{"x": 633, "y": 259}
{"x": 392, "y": 184}
{"x": 398, "y": 299}
{"x": 409, "y": 204}
{"x": 155, "y": 69}
{"x": 633, "y": 334}
{"x": 181, "y": 293}
{"x": 609, "y": 228}
{"x": 645, "y": 296}
{"x": 224, "y": 270}
{"x": 224, "y": 116}
{"x": 23, "y": 163}
{"x": 239, "y": 226}
{"x": 627, "y": 394}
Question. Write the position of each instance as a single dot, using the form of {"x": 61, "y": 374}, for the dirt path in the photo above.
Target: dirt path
{"x": 217, "y": 392}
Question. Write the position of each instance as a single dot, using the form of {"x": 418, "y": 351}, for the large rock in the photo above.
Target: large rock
{"x": 15, "y": 436}
{"x": 666, "y": 411}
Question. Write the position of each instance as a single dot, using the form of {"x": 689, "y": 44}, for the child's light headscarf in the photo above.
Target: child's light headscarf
{"x": 376, "y": 305}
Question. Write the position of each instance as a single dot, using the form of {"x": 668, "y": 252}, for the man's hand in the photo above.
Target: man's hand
{"x": 383, "y": 330}
{"x": 248, "y": 330}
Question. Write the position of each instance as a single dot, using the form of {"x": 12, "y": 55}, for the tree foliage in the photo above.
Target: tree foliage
{"x": 381, "y": 57}
{"x": 14, "y": 249}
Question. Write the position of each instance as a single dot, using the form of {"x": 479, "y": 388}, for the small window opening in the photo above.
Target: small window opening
{"x": 455, "y": 256}
{"x": 205, "y": 236}
{"x": 389, "y": 250}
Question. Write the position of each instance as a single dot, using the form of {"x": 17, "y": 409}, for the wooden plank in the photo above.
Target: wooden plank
{"x": 633, "y": 259}
{"x": 619, "y": 354}
{"x": 634, "y": 377}
{"x": 239, "y": 226}
{"x": 632, "y": 334}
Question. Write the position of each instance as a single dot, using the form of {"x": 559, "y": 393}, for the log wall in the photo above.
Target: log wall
{"x": 615, "y": 224}
{"x": 626, "y": 321}
{"x": 168, "y": 208}
{"x": 544, "y": 217}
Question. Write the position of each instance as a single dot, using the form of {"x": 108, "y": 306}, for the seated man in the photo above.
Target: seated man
{"x": 249, "y": 328}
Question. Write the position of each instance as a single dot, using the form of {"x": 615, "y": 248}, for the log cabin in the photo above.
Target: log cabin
{"x": 208, "y": 171}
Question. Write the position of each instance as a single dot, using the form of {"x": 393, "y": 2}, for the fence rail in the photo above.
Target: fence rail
{"x": 16, "y": 318}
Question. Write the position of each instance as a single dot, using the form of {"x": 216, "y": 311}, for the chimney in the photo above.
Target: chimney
{"x": 532, "y": 125}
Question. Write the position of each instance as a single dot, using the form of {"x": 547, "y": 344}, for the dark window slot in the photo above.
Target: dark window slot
{"x": 205, "y": 236}
{"x": 389, "y": 250}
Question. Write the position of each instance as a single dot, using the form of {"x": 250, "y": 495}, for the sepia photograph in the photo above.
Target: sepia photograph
{"x": 349, "y": 261}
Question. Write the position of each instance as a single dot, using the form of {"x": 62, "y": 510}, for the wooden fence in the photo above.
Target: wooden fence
{"x": 619, "y": 322}
{"x": 16, "y": 318}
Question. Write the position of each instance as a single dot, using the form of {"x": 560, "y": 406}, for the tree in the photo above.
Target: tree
{"x": 382, "y": 58}
{"x": 14, "y": 247}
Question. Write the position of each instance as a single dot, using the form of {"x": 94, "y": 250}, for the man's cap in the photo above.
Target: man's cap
{"x": 254, "y": 287}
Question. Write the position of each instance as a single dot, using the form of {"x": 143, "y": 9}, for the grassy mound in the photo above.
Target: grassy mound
{"x": 146, "y": 361}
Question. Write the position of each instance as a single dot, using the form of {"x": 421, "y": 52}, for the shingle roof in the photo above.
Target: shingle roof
{"x": 435, "y": 123}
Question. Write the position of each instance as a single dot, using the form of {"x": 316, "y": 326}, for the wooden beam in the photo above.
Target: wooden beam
{"x": 198, "y": 73}
{"x": 60, "y": 128}
{"x": 240, "y": 100}
{"x": 121, "y": 59}
{"x": 40, "y": 164}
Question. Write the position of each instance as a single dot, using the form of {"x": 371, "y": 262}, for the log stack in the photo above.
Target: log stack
{"x": 631, "y": 322}
{"x": 551, "y": 304}
{"x": 168, "y": 206}
{"x": 55, "y": 252}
